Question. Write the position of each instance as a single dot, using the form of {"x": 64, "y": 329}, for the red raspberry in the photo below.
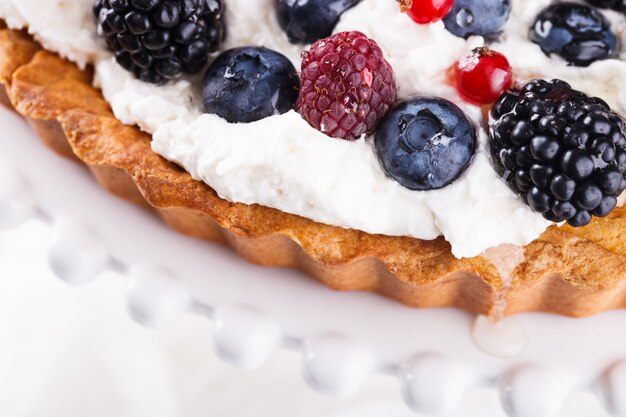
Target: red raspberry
{"x": 347, "y": 85}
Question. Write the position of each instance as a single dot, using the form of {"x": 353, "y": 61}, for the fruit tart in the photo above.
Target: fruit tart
{"x": 467, "y": 153}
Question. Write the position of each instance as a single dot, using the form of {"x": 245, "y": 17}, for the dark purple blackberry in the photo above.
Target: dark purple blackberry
{"x": 619, "y": 5}
{"x": 562, "y": 151}
{"x": 160, "y": 40}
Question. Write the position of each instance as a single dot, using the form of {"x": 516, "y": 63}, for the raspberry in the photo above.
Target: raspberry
{"x": 347, "y": 86}
{"x": 563, "y": 152}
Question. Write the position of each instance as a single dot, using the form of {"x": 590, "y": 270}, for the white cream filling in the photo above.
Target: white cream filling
{"x": 282, "y": 162}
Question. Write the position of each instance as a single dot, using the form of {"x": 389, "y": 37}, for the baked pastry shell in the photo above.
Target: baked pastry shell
{"x": 574, "y": 272}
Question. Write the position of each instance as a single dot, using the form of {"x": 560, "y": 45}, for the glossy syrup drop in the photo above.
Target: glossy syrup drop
{"x": 503, "y": 338}
{"x": 498, "y": 335}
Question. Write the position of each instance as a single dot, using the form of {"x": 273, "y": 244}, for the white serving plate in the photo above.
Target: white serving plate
{"x": 536, "y": 361}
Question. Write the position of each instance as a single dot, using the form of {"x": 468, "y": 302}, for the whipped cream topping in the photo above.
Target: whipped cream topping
{"x": 62, "y": 26}
{"x": 282, "y": 162}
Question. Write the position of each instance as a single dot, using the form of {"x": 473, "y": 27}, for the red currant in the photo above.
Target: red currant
{"x": 426, "y": 11}
{"x": 483, "y": 75}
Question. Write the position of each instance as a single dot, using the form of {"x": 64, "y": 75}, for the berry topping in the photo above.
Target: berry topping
{"x": 425, "y": 143}
{"x": 578, "y": 33}
{"x": 477, "y": 17}
{"x": 347, "y": 85}
{"x": 160, "y": 40}
{"x": 426, "y": 11}
{"x": 247, "y": 84}
{"x": 563, "y": 152}
{"x": 619, "y": 5}
{"x": 306, "y": 21}
{"x": 483, "y": 76}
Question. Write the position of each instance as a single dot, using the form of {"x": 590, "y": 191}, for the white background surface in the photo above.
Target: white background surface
{"x": 68, "y": 352}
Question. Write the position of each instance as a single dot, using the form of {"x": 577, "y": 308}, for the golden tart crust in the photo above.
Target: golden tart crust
{"x": 575, "y": 272}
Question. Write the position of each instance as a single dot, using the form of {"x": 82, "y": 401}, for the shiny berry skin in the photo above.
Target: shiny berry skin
{"x": 578, "y": 33}
{"x": 244, "y": 85}
{"x": 426, "y": 11}
{"x": 477, "y": 17}
{"x": 346, "y": 86}
{"x": 483, "y": 75}
{"x": 425, "y": 143}
{"x": 619, "y": 5}
{"x": 161, "y": 40}
{"x": 563, "y": 152}
{"x": 306, "y": 21}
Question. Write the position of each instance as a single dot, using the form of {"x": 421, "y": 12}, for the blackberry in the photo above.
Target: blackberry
{"x": 619, "y": 5}
{"x": 160, "y": 40}
{"x": 562, "y": 151}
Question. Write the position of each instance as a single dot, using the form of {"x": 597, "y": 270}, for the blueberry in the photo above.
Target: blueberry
{"x": 425, "y": 143}
{"x": 477, "y": 17}
{"x": 576, "y": 32}
{"x": 306, "y": 21}
{"x": 247, "y": 84}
